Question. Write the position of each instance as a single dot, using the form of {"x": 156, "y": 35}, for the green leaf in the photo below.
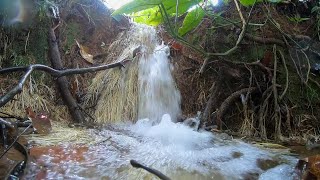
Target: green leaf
{"x": 150, "y": 16}
{"x": 192, "y": 20}
{"x": 136, "y": 6}
{"x": 249, "y": 2}
{"x": 183, "y": 6}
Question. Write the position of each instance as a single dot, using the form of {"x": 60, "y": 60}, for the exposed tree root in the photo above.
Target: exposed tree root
{"x": 228, "y": 102}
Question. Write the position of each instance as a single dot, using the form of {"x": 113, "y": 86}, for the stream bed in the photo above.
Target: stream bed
{"x": 172, "y": 148}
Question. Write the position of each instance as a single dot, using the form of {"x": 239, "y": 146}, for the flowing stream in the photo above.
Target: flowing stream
{"x": 157, "y": 141}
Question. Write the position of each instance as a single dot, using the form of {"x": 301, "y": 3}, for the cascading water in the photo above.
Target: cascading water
{"x": 156, "y": 141}
{"x": 158, "y": 94}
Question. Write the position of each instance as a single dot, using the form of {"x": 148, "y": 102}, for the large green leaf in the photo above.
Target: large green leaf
{"x": 150, "y": 16}
{"x": 192, "y": 20}
{"x": 183, "y": 5}
{"x": 136, "y": 6}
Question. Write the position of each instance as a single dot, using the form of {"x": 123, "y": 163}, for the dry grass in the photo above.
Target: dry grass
{"x": 115, "y": 91}
{"x": 38, "y": 97}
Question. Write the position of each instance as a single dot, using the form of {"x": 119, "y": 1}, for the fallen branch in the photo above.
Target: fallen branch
{"x": 15, "y": 140}
{"x": 56, "y": 73}
{"x": 150, "y": 170}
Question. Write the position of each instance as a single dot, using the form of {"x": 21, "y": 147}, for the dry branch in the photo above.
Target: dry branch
{"x": 56, "y": 73}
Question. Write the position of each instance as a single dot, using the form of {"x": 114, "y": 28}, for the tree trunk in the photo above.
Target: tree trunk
{"x": 62, "y": 82}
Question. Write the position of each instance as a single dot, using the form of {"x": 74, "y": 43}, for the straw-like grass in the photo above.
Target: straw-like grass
{"x": 38, "y": 97}
{"x": 115, "y": 91}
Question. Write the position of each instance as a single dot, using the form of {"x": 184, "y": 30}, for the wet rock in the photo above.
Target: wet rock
{"x": 192, "y": 122}
{"x": 237, "y": 154}
{"x": 225, "y": 136}
{"x": 250, "y": 176}
{"x": 266, "y": 164}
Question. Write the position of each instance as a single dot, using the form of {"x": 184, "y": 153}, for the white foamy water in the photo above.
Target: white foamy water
{"x": 158, "y": 94}
{"x": 174, "y": 149}
{"x": 180, "y": 152}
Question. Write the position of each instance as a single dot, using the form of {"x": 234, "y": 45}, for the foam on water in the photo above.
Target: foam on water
{"x": 172, "y": 148}
{"x": 180, "y": 152}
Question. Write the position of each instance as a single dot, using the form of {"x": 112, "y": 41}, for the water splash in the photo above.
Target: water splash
{"x": 173, "y": 148}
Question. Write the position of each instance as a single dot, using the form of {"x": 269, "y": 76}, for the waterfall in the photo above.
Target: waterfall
{"x": 158, "y": 94}
{"x": 144, "y": 89}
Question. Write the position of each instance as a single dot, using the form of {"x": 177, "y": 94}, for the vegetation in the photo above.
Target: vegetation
{"x": 276, "y": 33}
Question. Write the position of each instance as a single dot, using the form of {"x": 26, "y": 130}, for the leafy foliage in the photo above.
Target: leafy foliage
{"x": 136, "y": 6}
{"x": 192, "y": 20}
{"x": 154, "y": 12}
{"x": 150, "y": 16}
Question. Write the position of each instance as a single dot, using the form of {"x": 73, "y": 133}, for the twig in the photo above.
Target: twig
{"x": 15, "y": 141}
{"x": 201, "y": 71}
{"x": 150, "y": 170}
{"x": 83, "y": 110}
{"x": 56, "y": 73}
{"x": 7, "y": 123}
{"x": 242, "y": 33}
{"x": 315, "y": 82}
{"x": 26, "y": 44}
